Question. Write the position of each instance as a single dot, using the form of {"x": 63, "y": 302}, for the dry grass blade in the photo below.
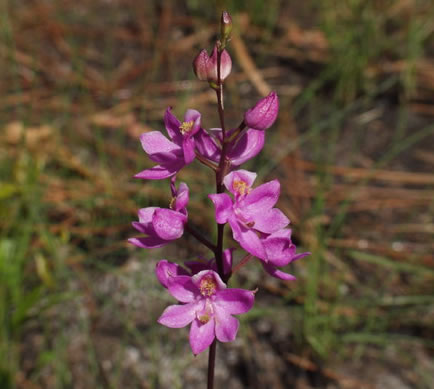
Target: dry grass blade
{"x": 247, "y": 63}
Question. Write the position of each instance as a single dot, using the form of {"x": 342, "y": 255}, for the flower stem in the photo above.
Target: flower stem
{"x": 222, "y": 165}
{"x": 211, "y": 364}
{"x": 220, "y": 173}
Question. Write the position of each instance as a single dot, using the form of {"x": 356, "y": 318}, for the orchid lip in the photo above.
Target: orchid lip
{"x": 205, "y": 315}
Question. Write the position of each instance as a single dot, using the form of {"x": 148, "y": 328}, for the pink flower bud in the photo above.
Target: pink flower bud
{"x": 205, "y": 67}
{"x": 226, "y": 65}
{"x": 200, "y": 65}
{"x": 264, "y": 113}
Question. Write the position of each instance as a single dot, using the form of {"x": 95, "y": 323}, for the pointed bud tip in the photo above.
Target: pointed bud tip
{"x": 226, "y": 26}
{"x": 226, "y": 18}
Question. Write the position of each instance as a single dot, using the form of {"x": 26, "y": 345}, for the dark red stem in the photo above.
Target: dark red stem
{"x": 211, "y": 364}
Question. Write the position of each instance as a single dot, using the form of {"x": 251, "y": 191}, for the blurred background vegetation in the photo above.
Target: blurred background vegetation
{"x": 353, "y": 147}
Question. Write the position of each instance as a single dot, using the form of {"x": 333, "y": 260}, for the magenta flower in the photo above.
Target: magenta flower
{"x": 205, "y": 66}
{"x": 161, "y": 225}
{"x": 241, "y": 150}
{"x": 208, "y": 305}
{"x": 280, "y": 251}
{"x": 264, "y": 113}
{"x": 251, "y": 213}
{"x": 171, "y": 155}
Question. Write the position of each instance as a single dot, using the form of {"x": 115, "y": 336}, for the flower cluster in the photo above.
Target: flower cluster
{"x": 261, "y": 229}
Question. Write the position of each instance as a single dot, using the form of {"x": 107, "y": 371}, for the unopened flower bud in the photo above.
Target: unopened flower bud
{"x": 264, "y": 113}
{"x": 225, "y": 65}
{"x": 226, "y": 26}
{"x": 205, "y": 66}
{"x": 200, "y": 65}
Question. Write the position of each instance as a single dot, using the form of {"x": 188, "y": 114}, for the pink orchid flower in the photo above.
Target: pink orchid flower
{"x": 171, "y": 155}
{"x": 251, "y": 212}
{"x": 208, "y": 305}
{"x": 162, "y": 225}
{"x": 280, "y": 251}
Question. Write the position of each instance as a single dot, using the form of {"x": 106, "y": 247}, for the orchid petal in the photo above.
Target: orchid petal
{"x": 191, "y": 115}
{"x": 188, "y": 148}
{"x": 262, "y": 198}
{"x": 271, "y": 221}
{"x": 207, "y": 146}
{"x": 248, "y": 178}
{"x": 197, "y": 278}
{"x": 226, "y": 326}
{"x": 248, "y": 239}
{"x": 280, "y": 251}
{"x": 157, "y": 146}
{"x": 223, "y": 207}
{"x": 150, "y": 242}
{"x": 166, "y": 271}
{"x": 273, "y": 271}
{"x": 201, "y": 335}
{"x": 168, "y": 224}
{"x": 172, "y": 126}
{"x": 144, "y": 225}
{"x": 235, "y": 301}
{"x": 227, "y": 261}
{"x": 248, "y": 146}
{"x": 146, "y": 229}
{"x": 182, "y": 197}
{"x": 301, "y": 255}
{"x": 178, "y": 316}
{"x": 160, "y": 172}
{"x": 183, "y": 289}
{"x": 145, "y": 214}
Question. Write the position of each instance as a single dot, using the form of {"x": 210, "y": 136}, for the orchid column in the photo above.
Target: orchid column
{"x": 200, "y": 287}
